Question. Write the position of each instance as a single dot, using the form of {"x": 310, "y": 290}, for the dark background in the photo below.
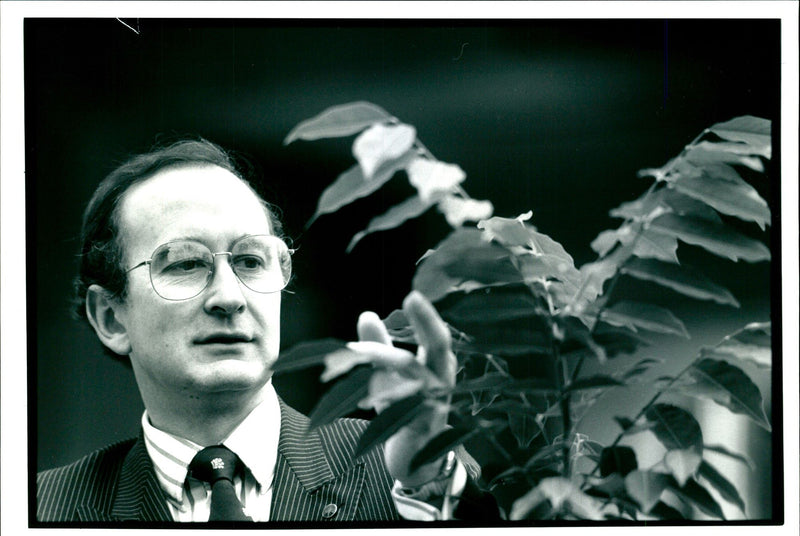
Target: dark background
{"x": 551, "y": 116}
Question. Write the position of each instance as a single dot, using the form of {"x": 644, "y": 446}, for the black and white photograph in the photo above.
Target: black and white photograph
{"x": 421, "y": 268}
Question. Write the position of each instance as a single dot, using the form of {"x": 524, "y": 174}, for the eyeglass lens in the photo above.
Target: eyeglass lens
{"x": 182, "y": 269}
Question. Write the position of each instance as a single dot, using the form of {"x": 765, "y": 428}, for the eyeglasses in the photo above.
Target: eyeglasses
{"x": 182, "y": 269}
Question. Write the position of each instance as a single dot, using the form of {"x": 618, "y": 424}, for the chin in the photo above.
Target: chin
{"x": 234, "y": 376}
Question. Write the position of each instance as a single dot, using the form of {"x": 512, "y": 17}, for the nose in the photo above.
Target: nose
{"x": 224, "y": 293}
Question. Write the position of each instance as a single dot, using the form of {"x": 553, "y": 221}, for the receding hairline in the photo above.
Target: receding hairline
{"x": 116, "y": 214}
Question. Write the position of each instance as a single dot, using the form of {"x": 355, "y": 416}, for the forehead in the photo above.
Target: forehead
{"x": 204, "y": 202}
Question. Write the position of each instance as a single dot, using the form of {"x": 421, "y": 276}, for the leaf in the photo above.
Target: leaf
{"x": 695, "y": 494}
{"x": 493, "y": 306}
{"x": 683, "y": 463}
{"x": 342, "y": 120}
{"x": 382, "y": 143}
{"x": 720, "y": 449}
{"x": 716, "y": 238}
{"x": 674, "y": 427}
{"x": 441, "y": 445}
{"x": 735, "y": 198}
{"x": 753, "y": 344}
{"x": 562, "y": 494}
{"x": 633, "y": 315}
{"x": 433, "y": 178}
{"x": 653, "y": 204}
{"x": 595, "y": 274}
{"x": 646, "y": 487}
{"x": 508, "y": 231}
{"x": 489, "y": 381}
{"x": 387, "y": 386}
{"x": 620, "y": 460}
{"x": 464, "y": 257}
{"x": 679, "y": 278}
{"x": 726, "y": 490}
{"x": 645, "y": 243}
{"x": 352, "y": 185}
{"x": 395, "y": 216}
{"x": 707, "y": 152}
{"x": 663, "y": 511}
{"x": 524, "y": 428}
{"x": 754, "y": 131}
{"x": 307, "y": 354}
{"x": 598, "y": 381}
{"x": 389, "y": 421}
{"x": 457, "y": 210}
{"x": 342, "y": 398}
{"x": 728, "y": 386}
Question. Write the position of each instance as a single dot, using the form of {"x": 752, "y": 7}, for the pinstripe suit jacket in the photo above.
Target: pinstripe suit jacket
{"x": 313, "y": 469}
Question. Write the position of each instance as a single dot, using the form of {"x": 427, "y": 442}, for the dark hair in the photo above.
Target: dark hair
{"x": 101, "y": 251}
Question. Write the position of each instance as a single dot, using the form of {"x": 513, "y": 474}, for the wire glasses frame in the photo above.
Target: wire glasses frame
{"x": 183, "y": 269}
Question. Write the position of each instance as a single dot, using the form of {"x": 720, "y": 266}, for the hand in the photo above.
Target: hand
{"x": 435, "y": 352}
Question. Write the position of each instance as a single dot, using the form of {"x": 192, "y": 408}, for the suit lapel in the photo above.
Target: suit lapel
{"x": 139, "y": 496}
{"x": 313, "y": 476}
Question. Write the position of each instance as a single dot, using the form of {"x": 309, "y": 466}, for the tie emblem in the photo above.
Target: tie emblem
{"x": 217, "y": 463}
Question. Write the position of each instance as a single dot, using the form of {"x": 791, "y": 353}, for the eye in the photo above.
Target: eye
{"x": 187, "y": 265}
{"x": 249, "y": 262}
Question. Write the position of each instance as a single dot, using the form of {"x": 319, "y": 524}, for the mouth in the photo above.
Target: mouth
{"x": 224, "y": 338}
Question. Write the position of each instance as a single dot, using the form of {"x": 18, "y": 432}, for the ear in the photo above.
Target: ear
{"x": 103, "y": 312}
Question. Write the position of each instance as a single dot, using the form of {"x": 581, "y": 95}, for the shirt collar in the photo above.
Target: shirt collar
{"x": 255, "y": 441}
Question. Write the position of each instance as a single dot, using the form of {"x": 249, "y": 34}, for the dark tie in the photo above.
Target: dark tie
{"x": 217, "y": 465}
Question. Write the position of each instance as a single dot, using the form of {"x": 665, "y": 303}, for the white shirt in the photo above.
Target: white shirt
{"x": 255, "y": 441}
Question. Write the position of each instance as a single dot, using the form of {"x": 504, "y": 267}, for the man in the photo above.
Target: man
{"x": 182, "y": 265}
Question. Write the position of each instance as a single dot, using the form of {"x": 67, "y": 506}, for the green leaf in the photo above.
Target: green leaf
{"x": 716, "y": 238}
{"x": 307, "y": 354}
{"x": 726, "y": 490}
{"x": 441, "y": 445}
{"x": 707, "y": 152}
{"x": 337, "y": 121}
{"x": 380, "y": 144}
{"x": 633, "y": 315}
{"x": 753, "y": 344}
{"x": 342, "y": 398}
{"x": 646, "y": 487}
{"x": 696, "y": 495}
{"x": 463, "y": 258}
{"x": 652, "y": 204}
{"x": 389, "y": 421}
{"x": 735, "y": 198}
{"x": 683, "y": 463}
{"x": 679, "y": 278}
{"x": 395, "y": 216}
{"x": 720, "y": 449}
{"x": 352, "y": 185}
{"x": 754, "y": 131}
{"x": 599, "y": 381}
{"x": 728, "y": 386}
{"x": 674, "y": 427}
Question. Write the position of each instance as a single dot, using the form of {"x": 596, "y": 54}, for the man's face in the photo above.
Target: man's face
{"x": 175, "y": 345}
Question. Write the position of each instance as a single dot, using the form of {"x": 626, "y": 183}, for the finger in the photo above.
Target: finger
{"x": 382, "y": 354}
{"x": 433, "y": 336}
{"x": 371, "y": 328}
